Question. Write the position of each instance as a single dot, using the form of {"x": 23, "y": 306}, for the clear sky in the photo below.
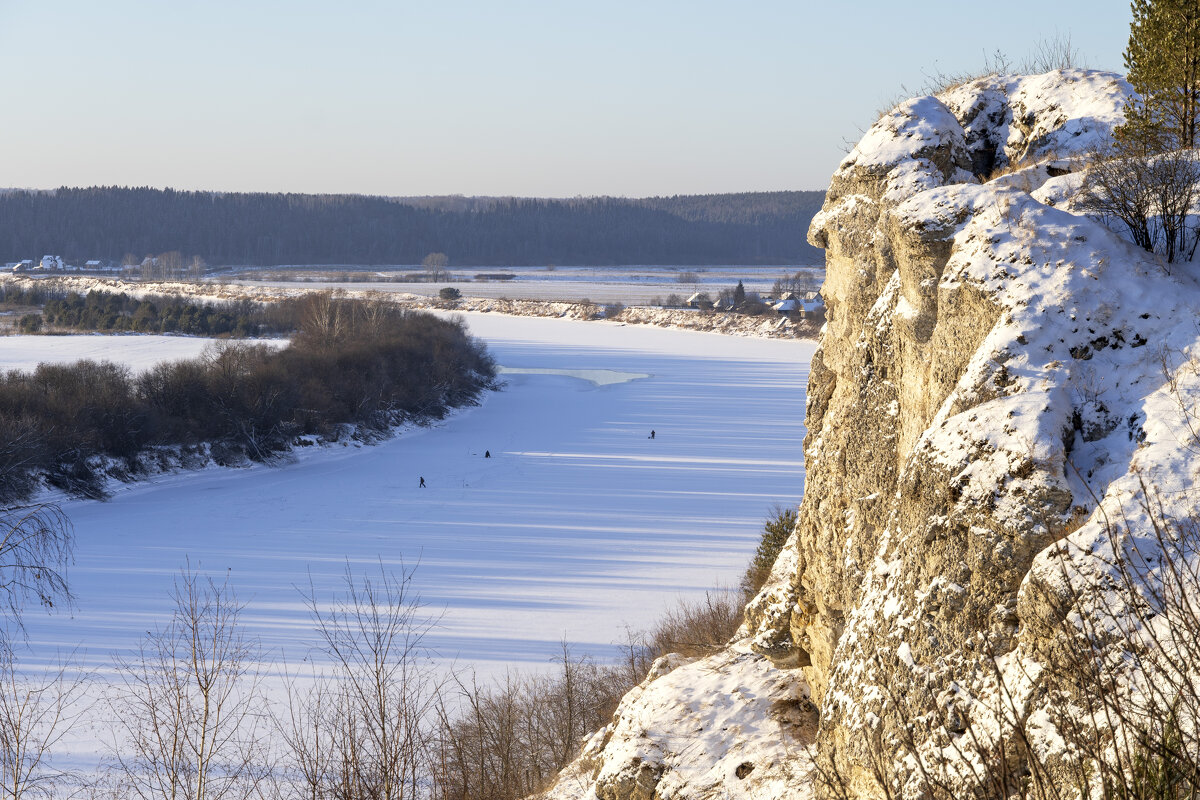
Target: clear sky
{"x": 484, "y": 97}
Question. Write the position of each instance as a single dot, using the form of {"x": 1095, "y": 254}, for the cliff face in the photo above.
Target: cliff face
{"x": 991, "y": 377}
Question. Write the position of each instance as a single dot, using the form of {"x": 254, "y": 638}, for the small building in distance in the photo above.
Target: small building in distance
{"x": 51, "y": 262}
{"x": 101, "y": 265}
{"x": 809, "y": 304}
{"x": 812, "y": 303}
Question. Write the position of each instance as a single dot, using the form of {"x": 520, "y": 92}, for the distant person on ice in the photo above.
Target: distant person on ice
{"x": 651, "y": 434}
{"x": 487, "y": 453}
{"x": 422, "y": 486}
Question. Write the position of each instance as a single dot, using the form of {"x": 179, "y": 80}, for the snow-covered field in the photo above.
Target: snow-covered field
{"x": 138, "y": 352}
{"x": 577, "y": 526}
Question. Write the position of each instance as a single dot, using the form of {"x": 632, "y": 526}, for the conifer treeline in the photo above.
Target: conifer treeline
{"x": 271, "y": 229}
{"x": 107, "y": 311}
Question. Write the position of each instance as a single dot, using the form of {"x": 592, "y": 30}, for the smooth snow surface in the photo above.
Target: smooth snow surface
{"x": 578, "y": 524}
{"x": 139, "y": 352}
{"x": 600, "y": 377}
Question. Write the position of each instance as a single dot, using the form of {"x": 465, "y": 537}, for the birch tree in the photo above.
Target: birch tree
{"x": 190, "y": 722}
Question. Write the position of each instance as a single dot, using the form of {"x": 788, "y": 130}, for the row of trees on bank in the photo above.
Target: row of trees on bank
{"x": 351, "y": 363}
{"x": 118, "y": 312}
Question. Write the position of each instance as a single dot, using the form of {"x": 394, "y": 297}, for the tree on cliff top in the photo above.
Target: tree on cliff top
{"x": 1163, "y": 59}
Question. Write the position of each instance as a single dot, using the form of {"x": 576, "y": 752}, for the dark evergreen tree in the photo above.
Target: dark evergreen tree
{"x": 1163, "y": 59}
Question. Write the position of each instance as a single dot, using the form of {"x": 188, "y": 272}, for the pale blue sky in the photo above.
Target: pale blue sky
{"x": 476, "y": 97}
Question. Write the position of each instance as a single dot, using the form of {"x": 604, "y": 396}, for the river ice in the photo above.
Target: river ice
{"x": 578, "y": 525}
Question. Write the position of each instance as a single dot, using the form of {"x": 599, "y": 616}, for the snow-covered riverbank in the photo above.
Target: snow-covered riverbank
{"x": 768, "y": 325}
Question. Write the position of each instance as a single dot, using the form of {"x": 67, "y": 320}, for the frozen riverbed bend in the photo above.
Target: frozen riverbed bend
{"x": 990, "y": 382}
{"x": 576, "y": 526}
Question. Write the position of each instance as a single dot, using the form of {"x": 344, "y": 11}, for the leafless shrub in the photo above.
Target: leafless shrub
{"x": 586, "y": 309}
{"x": 1175, "y": 374}
{"x": 1150, "y": 195}
{"x": 697, "y": 628}
{"x": 1055, "y": 53}
{"x": 939, "y": 80}
{"x": 510, "y": 739}
{"x": 307, "y": 738}
{"x": 686, "y": 277}
{"x": 613, "y": 310}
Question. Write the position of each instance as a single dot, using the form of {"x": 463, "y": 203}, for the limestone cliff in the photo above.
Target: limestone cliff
{"x": 991, "y": 377}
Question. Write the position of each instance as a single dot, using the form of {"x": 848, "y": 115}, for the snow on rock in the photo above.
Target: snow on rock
{"x": 729, "y": 725}
{"x": 1009, "y": 119}
{"x": 996, "y": 373}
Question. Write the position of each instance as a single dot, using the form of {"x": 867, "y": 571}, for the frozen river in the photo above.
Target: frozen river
{"x": 578, "y": 525}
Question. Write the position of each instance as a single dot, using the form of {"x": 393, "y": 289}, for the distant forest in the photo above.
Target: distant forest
{"x": 274, "y": 229}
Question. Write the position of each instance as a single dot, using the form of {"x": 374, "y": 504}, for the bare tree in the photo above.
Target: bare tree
{"x": 368, "y": 725}
{"x": 1151, "y": 195}
{"x": 170, "y": 264}
{"x": 35, "y": 550}
{"x": 435, "y": 266}
{"x": 37, "y": 709}
{"x": 307, "y": 729}
{"x": 188, "y": 715}
{"x": 22, "y": 451}
{"x": 324, "y": 318}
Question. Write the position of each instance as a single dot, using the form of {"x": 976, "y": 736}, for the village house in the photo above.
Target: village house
{"x": 806, "y": 305}
{"x": 812, "y": 303}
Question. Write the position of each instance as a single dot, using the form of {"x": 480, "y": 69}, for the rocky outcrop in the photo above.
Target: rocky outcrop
{"x": 982, "y": 389}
